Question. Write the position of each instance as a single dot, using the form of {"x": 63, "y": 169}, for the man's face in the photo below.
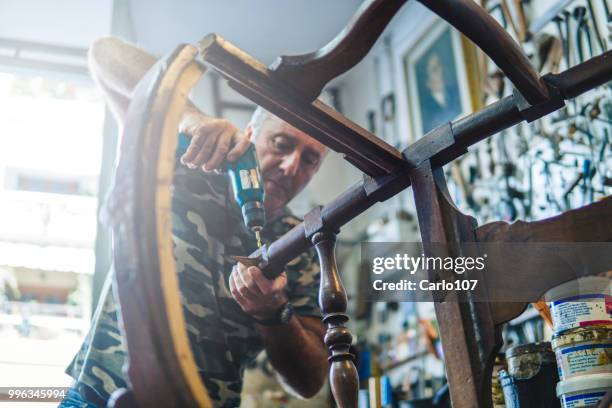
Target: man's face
{"x": 435, "y": 74}
{"x": 288, "y": 159}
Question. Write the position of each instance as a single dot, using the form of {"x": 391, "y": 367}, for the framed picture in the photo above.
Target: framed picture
{"x": 437, "y": 86}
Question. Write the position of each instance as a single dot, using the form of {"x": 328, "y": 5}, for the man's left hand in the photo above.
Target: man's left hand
{"x": 257, "y": 295}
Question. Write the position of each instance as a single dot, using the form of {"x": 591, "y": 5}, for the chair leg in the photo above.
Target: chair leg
{"x": 333, "y": 301}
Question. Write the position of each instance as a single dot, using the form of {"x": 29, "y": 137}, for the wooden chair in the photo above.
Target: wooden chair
{"x": 161, "y": 368}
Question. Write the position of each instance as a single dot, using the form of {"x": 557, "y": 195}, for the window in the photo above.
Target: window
{"x": 50, "y": 153}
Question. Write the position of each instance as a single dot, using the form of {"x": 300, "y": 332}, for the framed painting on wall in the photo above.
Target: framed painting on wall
{"x": 437, "y": 86}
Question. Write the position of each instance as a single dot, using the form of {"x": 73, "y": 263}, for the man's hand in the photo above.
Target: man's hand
{"x": 295, "y": 349}
{"x": 257, "y": 295}
{"x": 212, "y": 141}
{"x": 299, "y": 354}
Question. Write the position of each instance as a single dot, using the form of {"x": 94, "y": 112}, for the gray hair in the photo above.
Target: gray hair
{"x": 260, "y": 115}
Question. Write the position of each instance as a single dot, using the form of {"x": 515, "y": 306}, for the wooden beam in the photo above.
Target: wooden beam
{"x": 253, "y": 80}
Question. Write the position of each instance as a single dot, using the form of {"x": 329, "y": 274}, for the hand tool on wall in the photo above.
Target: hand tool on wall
{"x": 587, "y": 189}
{"x": 247, "y": 183}
{"x": 596, "y": 26}
{"x": 508, "y": 17}
{"x": 550, "y": 53}
{"x": 570, "y": 188}
{"x": 522, "y": 21}
{"x": 564, "y": 35}
{"x": 583, "y": 33}
{"x": 607, "y": 8}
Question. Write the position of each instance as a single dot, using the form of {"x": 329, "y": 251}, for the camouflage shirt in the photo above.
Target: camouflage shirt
{"x": 207, "y": 230}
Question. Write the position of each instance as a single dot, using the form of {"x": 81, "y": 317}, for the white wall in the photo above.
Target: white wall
{"x": 262, "y": 28}
{"x": 60, "y": 22}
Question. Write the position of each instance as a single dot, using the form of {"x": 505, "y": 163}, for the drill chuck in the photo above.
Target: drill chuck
{"x": 254, "y": 215}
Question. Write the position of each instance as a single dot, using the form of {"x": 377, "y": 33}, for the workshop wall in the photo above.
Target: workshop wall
{"x": 529, "y": 172}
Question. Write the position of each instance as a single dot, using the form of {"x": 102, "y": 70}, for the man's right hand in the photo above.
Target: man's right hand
{"x": 212, "y": 141}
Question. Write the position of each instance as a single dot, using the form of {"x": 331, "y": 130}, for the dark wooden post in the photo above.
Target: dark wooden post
{"x": 470, "y": 338}
{"x": 332, "y": 300}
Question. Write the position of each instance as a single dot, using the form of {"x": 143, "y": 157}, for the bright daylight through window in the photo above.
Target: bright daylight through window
{"x": 51, "y": 138}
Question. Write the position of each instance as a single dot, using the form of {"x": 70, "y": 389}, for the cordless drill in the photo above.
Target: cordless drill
{"x": 247, "y": 183}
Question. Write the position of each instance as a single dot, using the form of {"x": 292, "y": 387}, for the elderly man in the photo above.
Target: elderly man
{"x": 232, "y": 312}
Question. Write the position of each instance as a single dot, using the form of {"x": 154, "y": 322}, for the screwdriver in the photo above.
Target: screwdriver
{"x": 247, "y": 184}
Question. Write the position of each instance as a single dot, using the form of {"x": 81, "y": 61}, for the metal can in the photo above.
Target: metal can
{"x": 531, "y": 378}
{"x": 583, "y": 351}
{"x": 526, "y": 360}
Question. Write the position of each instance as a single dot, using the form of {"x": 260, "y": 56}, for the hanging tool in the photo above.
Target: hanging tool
{"x": 582, "y": 33}
{"x": 596, "y": 26}
{"x": 247, "y": 183}
{"x": 523, "y": 27}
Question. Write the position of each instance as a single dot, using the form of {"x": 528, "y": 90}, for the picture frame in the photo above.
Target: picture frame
{"x": 438, "y": 87}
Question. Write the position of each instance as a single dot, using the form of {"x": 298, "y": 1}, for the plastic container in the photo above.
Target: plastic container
{"x": 583, "y": 351}
{"x": 581, "y": 302}
{"x": 584, "y": 391}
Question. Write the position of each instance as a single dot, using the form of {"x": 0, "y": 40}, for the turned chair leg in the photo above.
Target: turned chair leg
{"x": 333, "y": 301}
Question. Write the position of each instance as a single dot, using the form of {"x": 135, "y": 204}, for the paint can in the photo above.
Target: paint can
{"x": 583, "y": 351}
{"x": 526, "y": 360}
{"x": 584, "y": 391}
{"x": 531, "y": 377}
{"x": 582, "y": 302}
